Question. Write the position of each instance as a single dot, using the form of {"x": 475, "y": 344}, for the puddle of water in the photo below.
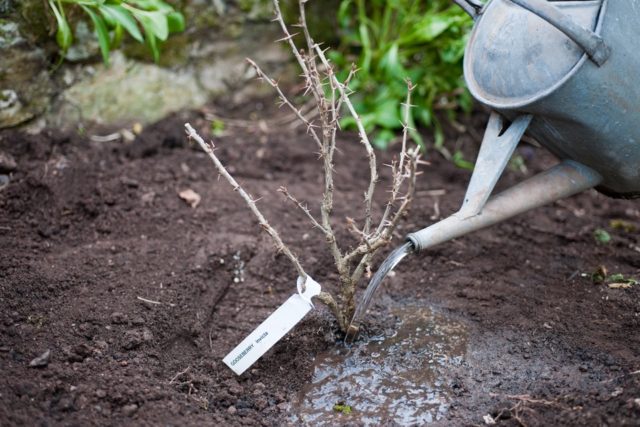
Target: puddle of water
{"x": 401, "y": 377}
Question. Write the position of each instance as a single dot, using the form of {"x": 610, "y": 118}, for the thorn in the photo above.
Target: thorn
{"x": 286, "y": 38}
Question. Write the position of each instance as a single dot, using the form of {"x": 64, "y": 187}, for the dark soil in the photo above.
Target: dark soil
{"x": 91, "y": 232}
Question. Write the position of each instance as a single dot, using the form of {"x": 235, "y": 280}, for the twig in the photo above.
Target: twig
{"x": 285, "y": 101}
{"x": 179, "y": 374}
{"x": 314, "y": 84}
{"x": 364, "y": 139}
{"x": 398, "y": 175}
{"x": 302, "y": 207}
{"x": 149, "y": 301}
{"x": 208, "y": 148}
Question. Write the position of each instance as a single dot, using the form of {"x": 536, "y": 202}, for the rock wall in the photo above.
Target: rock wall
{"x": 205, "y": 61}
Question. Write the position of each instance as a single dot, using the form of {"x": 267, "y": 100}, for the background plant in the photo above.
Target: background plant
{"x": 422, "y": 40}
{"x": 146, "y": 21}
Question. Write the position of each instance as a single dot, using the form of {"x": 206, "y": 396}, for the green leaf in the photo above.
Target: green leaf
{"x": 175, "y": 21}
{"x": 122, "y": 16}
{"x": 430, "y": 27}
{"x": 391, "y": 64}
{"x": 157, "y": 5}
{"x": 343, "y": 408}
{"x": 383, "y": 138}
{"x": 602, "y": 236}
{"x": 118, "y": 32}
{"x": 217, "y": 127}
{"x": 152, "y": 42}
{"x": 153, "y": 22}
{"x": 101, "y": 31}
{"x": 64, "y": 36}
{"x": 387, "y": 114}
{"x": 365, "y": 63}
{"x": 459, "y": 161}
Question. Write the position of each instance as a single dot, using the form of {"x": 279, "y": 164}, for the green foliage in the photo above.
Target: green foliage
{"x": 111, "y": 18}
{"x": 601, "y": 236}
{"x": 620, "y": 278}
{"x": 620, "y": 224}
{"x": 217, "y": 127}
{"x": 343, "y": 408}
{"x": 614, "y": 281}
{"x": 398, "y": 39}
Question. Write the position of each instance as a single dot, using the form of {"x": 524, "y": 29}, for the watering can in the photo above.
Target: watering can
{"x": 567, "y": 73}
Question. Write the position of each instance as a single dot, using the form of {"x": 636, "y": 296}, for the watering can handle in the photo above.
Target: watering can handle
{"x": 589, "y": 41}
{"x": 472, "y": 7}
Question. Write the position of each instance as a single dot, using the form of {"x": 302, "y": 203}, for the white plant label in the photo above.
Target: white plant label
{"x": 273, "y": 328}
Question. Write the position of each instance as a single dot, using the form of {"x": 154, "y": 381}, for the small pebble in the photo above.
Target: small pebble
{"x": 129, "y": 410}
{"x": 41, "y": 361}
{"x": 232, "y": 410}
{"x": 132, "y": 340}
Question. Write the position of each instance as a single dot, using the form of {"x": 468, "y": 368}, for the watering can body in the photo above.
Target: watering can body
{"x": 516, "y": 62}
{"x": 566, "y": 72}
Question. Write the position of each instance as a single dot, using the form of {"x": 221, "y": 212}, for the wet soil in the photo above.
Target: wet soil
{"x": 137, "y": 297}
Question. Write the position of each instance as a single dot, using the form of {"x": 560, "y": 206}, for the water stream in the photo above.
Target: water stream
{"x": 400, "y": 377}
{"x": 387, "y": 265}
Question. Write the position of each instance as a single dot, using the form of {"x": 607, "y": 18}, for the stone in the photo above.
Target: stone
{"x": 129, "y": 410}
{"x": 41, "y": 361}
{"x": 128, "y": 91}
{"x": 25, "y": 85}
{"x": 132, "y": 340}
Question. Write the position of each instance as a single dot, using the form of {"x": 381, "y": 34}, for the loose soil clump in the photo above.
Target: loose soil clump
{"x": 119, "y": 300}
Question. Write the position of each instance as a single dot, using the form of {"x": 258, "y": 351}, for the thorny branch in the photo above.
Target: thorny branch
{"x": 209, "y": 149}
{"x": 330, "y": 96}
{"x": 325, "y": 297}
{"x": 285, "y": 101}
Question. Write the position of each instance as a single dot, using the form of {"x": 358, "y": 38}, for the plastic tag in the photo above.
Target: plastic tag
{"x": 273, "y": 328}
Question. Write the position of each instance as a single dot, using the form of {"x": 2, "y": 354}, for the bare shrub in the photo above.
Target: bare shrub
{"x": 331, "y": 97}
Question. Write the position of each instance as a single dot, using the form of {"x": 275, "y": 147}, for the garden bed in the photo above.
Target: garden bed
{"x": 138, "y": 296}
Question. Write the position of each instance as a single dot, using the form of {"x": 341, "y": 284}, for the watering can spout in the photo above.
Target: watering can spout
{"x": 563, "y": 180}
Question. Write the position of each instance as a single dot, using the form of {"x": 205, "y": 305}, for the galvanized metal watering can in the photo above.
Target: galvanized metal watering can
{"x": 566, "y": 72}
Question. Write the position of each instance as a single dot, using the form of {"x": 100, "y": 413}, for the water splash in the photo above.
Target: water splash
{"x": 387, "y": 265}
{"x": 402, "y": 378}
